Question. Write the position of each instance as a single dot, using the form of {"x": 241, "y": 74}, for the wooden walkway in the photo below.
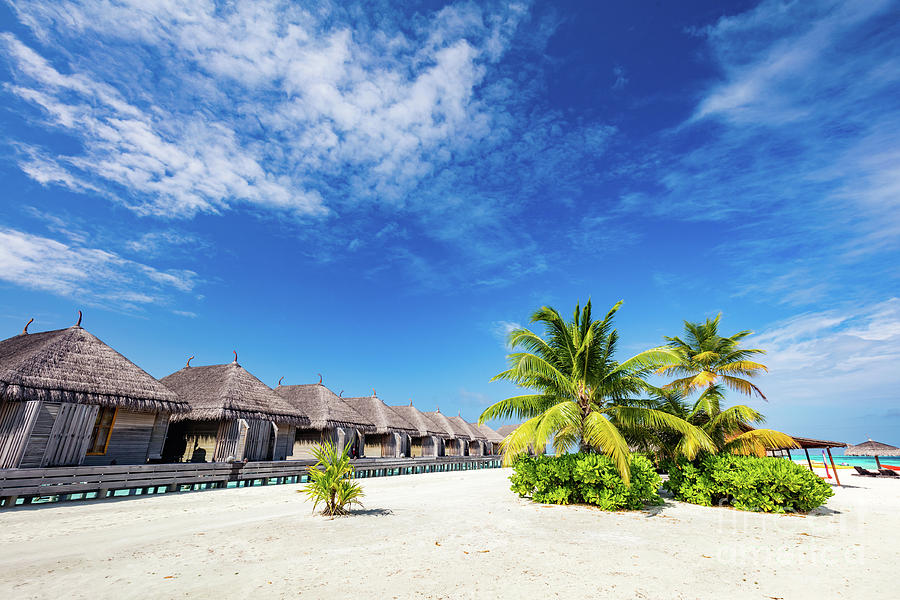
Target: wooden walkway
{"x": 33, "y": 486}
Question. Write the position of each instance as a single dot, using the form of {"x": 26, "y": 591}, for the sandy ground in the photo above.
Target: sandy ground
{"x": 447, "y": 535}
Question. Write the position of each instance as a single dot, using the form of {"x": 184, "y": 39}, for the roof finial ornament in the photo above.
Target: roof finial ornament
{"x": 235, "y": 356}
{"x": 437, "y": 406}
{"x": 374, "y": 393}
{"x": 25, "y": 329}
{"x": 188, "y": 363}
{"x": 78, "y": 324}
{"x": 341, "y": 395}
{"x": 410, "y": 401}
{"x": 320, "y": 378}
{"x": 280, "y": 380}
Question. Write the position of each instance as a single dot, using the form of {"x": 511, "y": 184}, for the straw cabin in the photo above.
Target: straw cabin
{"x": 331, "y": 419}
{"x": 428, "y": 439}
{"x": 68, "y": 399}
{"x": 457, "y": 441}
{"x": 390, "y": 428}
{"x": 493, "y": 439}
{"x": 477, "y": 440}
{"x": 234, "y": 416}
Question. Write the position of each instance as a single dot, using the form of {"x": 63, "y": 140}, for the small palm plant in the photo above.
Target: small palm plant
{"x": 330, "y": 480}
{"x": 710, "y": 362}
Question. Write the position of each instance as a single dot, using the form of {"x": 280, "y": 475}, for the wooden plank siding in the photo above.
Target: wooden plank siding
{"x": 304, "y": 442}
{"x": 17, "y": 420}
{"x": 129, "y": 442}
{"x": 71, "y": 435}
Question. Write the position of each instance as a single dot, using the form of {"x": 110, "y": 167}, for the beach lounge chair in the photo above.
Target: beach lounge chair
{"x": 888, "y": 473}
{"x": 865, "y": 472}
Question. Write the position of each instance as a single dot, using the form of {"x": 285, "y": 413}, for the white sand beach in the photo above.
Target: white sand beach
{"x": 447, "y": 535}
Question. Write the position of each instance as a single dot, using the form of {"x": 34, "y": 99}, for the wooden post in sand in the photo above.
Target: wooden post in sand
{"x": 833, "y": 468}
{"x": 808, "y": 460}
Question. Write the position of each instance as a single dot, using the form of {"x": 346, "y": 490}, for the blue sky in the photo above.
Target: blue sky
{"x": 378, "y": 194}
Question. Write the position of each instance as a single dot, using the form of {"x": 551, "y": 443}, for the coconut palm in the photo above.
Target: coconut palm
{"x": 581, "y": 396}
{"x": 711, "y": 363}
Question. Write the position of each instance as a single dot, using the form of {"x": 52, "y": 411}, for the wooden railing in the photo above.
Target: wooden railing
{"x": 29, "y": 486}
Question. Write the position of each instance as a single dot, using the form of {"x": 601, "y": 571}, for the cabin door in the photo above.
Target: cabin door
{"x": 16, "y": 422}
{"x": 71, "y": 435}
{"x": 373, "y": 447}
{"x": 416, "y": 447}
{"x": 259, "y": 434}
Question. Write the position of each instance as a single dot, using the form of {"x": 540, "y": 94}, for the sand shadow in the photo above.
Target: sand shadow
{"x": 371, "y": 512}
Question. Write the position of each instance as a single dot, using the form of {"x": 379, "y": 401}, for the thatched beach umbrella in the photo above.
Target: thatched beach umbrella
{"x": 870, "y": 448}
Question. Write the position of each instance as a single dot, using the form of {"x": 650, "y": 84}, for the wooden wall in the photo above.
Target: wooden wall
{"x": 304, "y": 442}
{"x": 129, "y": 443}
{"x": 191, "y": 441}
{"x": 18, "y": 420}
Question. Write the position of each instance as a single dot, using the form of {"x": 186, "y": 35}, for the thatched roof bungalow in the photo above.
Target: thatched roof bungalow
{"x": 457, "y": 441}
{"x": 493, "y": 438}
{"x": 330, "y": 418}
{"x": 477, "y": 440}
{"x": 390, "y": 427}
{"x": 428, "y": 439}
{"x": 233, "y": 416}
{"x": 67, "y": 398}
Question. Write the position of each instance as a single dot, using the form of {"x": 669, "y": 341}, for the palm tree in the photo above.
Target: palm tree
{"x": 581, "y": 395}
{"x": 711, "y": 362}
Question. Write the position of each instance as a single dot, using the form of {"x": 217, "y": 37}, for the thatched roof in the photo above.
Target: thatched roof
{"x": 385, "y": 419}
{"x": 417, "y": 418}
{"x": 323, "y": 407}
{"x": 226, "y": 392}
{"x": 871, "y": 448}
{"x": 453, "y": 430}
{"x": 505, "y": 430}
{"x": 474, "y": 432}
{"x": 491, "y": 435}
{"x": 71, "y": 365}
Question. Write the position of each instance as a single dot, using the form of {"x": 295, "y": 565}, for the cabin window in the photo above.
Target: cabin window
{"x": 102, "y": 430}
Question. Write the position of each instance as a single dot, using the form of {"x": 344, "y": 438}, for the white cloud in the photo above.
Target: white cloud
{"x": 501, "y": 331}
{"x": 88, "y": 274}
{"x": 836, "y": 357}
{"x": 294, "y": 98}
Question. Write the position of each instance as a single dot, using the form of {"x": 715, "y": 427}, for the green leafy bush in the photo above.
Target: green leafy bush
{"x": 747, "y": 483}
{"x": 585, "y": 479}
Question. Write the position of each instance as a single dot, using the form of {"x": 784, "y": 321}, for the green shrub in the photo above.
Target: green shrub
{"x": 585, "y": 479}
{"x": 747, "y": 483}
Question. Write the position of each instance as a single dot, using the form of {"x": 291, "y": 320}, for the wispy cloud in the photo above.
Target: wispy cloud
{"x": 326, "y": 113}
{"x": 834, "y": 357}
{"x": 792, "y": 150}
{"x": 88, "y": 274}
